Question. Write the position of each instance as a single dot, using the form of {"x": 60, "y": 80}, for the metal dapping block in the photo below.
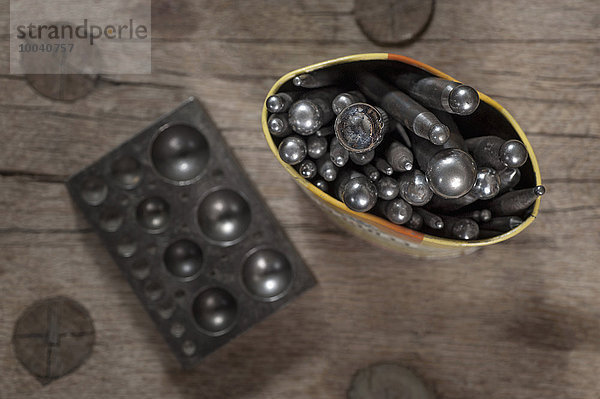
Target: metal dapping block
{"x": 199, "y": 246}
{"x": 360, "y": 127}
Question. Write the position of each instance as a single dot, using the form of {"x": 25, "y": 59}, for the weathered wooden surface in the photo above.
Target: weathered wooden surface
{"x": 518, "y": 319}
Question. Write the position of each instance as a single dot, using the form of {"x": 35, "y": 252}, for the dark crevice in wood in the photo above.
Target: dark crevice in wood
{"x": 538, "y": 100}
{"x": 116, "y": 82}
{"x": 244, "y": 77}
{"x": 571, "y": 209}
{"x": 36, "y": 177}
{"x": 171, "y": 72}
{"x": 47, "y": 111}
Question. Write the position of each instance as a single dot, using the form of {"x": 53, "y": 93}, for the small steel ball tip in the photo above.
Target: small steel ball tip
{"x": 281, "y": 102}
{"x": 399, "y": 157}
{"x": 402, "y": 108}
{"x": 485, "y": 215}
{"x": 387, "y": 188}
{"x": 495, "y": 152}
{"x": 502, "y": 223}
{"x": 360, "y": 194}
{"x": 326, "y": 169}
{"x": 278, "y": 125}
{"x": 318, "y": 78}
{"x": 451, "y": 173}
{"x": 362, "y": 158}
{"x": 383, "y": 166}
{"x": 513, "y": 154}
{"x": 415, "y": 222}
{"x": 321, "y": 184}
{"x": 475, "y": 215}
{"x": 461, "y": 228}
{"x": 509, "y": 178}
{"x": 371, "y": 172}
{"x": 439, "y": 93}
{"x": 456, "y": 140}
{"x": 339, "y": 185}
{"x": 414, "y": 188}
{"x": 430, "y": 219}
{"x": 308, "y": 169}
{"x": 360, "y": 127}
{"x": 397, "y": 211}
{"x": 515, "y": 202}
{"x": 339, "y": 155}
{"x": 292, "y": 150}
{"x": 305, "y": 117}
{"x": 316, "y": 146}
{"x": 345, "y": 99}
{"x": 487, "y": 183}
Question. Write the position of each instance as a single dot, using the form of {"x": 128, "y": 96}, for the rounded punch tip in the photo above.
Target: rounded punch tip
{"x": 275, "y": 104}
{"x": 485, "y": 215}
{"x": 408, "y": 165}
{"x": 487, "y": 183}
{"x": 360, "y": 127}
{"x": 463, "y": 100}
{"x": 465, "y": 229}
{"x": 539, "y": 190}
{"x": 414, "y": 188}
{"x": 398, "y": 211}
{"x": 387, "y": 188}
{"x": 451, "y": 173}
{"x": 513, "y": 153}
{"x": 439, "y": 224}
{"x": 277, "y": 125}
{"x": 305, "y": 117}
{"x": 308, "y": 169}
{"x": 360, "y": 194}
{"x": 514, "y": 221}
{"x": 439, "y": 134}
{"x": 292, "y": 150}
{"x": 300, "y": 80}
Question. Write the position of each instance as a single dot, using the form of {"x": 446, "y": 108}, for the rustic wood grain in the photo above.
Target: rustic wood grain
{"x": 518, "y": 319}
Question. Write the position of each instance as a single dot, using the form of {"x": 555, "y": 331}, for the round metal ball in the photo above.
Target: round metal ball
{"x": 398, "y": 211}
{"x": 267, "y": 274}
{"x": 463, "y": 100}
{"x": 360, "y": 127}
{"x": 275, "y": 103}
{"x": 387, "y": 188}
{"x": 224, "y": 216}
{"x": 513, "y": 154}
{"x": 180, "y": 153}
{"x": 308, "y": 169}
{"x": 215, "y": 310}
{"x": 487, "y": 183}
{"x": 305, "y": 117}
{"x": 451, "y": 173}
{"x": 465, "y": 229}
{"x": 183, "y": 258}
{"x": 439, "y": 134}
{"x": 360, "y": 194}
{"x": 153, "y": 213}
{"x": 414, "y": 188}
{"x": 292, "y": 150}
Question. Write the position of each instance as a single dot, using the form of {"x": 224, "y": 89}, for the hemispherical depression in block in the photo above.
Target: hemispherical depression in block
{"x": 224, "y": 216}
{"x": 215, "y": 310}
{"x": 183, "y": 258}
{"x": 267, "y": 274}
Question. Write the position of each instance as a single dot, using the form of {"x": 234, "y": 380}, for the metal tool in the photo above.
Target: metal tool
{"x": 312, "y": 111}
{"x": 360, "y": 127}
{"x": 438, "y": 93}
{"x": 502, "y": 223}
{"x": 446, "y": 205}
{"x": 403, "y": 108}
{"x": 414, "y": 188}
{"x": 515, "y": 202}
{"x": 396, "y": 211}
{"x": 415, "y": 222}
{"x": 326, "y": 169}
{"x": 371, "y": 172}
{"x": 430, "y": 219}
{"x": 387, "y": 188}
{"x": 451, "y": 172}
{"x": 402, "y": 134}
{"x": 478, "y": 215}
{"x": 281, "y": 102}
{"x": 494, "y": 152}
{"x": 316, "y": 146}
{"x": 360, "y": 194}
{"x": 487, "y": 183}
{"x": 279, "y": 125}
{"x": 319, "y": 78}
{"x": 339, "y": 185}
{"x": 456, "y": 140}
{"x": 325, "y": 131}
{"x": 362, "y": 158}
{"x": 321, "y": 184}
{"x": 383, "y": 166}
{"x": 338, "y": 154}
{"x": 461, "y": 228}
{"x": 308, "y": 169}
{"x": 292, "y": 150}
{"x": 345, "y": 99}
{"x": 509, "y": 178}
{"x": 399, "y": 157}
